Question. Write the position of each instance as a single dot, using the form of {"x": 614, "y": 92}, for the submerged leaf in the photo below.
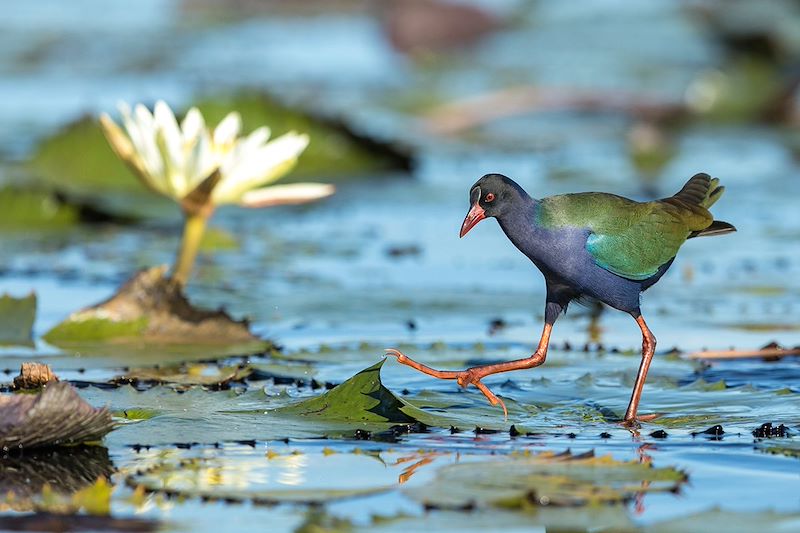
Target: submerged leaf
{"x": 16, "y": 319}
{"x": 544, "y": 479}
{"x": 55, "y": 416}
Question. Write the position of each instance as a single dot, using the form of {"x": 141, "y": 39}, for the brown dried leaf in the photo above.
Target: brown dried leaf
{"x": 33, "y": 376}
{"x": 53, "y": 417}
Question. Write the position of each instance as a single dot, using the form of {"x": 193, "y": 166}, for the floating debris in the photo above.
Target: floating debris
{"x": 33, "y": 376}
{"x": 768, "y": 431}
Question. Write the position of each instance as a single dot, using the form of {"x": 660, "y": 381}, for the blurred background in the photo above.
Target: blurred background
{"x": 407, "y": 103}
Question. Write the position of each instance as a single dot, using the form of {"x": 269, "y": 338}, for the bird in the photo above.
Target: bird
{"x": 590, "y": 246}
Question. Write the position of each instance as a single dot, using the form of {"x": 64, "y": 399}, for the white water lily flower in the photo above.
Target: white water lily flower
{"x": 176, "y": 159}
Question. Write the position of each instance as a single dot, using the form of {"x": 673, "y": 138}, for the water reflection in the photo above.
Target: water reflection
{"x": 65, "y": 470}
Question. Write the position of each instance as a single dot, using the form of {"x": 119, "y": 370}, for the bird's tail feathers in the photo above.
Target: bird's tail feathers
{"x": 701, "y": 190}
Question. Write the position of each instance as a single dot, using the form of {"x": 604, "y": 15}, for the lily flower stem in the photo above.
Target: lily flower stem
{"x": 194, "y": 227}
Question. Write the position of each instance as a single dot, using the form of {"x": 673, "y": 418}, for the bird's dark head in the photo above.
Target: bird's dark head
{"x": 491, "y": 196}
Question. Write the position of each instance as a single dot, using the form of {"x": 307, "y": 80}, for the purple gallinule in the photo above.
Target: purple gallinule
{"x": 590, "y": 246}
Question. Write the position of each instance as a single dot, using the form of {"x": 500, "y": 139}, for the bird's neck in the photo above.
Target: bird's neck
{"x": 521, "y": 227}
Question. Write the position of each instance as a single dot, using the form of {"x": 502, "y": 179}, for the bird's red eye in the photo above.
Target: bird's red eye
{"x": 489, "y": 197}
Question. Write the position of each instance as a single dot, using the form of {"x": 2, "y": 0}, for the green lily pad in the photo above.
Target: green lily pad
{"x": 22, "y": 210}
{"x": 335, "y": 151}
{"x": 278, "y": 473}
{"x": 16, "y": 320}
{"x": 243, "y": 479}
{"x": 544, "y": 480}
{"x": 573, "y": 519}
{"x": 361, "y": 399}
{"x": 97, "y": 178}
{"x": 95, "y": 329}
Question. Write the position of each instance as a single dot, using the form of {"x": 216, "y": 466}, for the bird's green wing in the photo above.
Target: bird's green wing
{"x": 631, "y": 239}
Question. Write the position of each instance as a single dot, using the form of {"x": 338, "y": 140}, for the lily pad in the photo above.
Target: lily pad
{"x": 55, "y": 416}
{"x": 335, "y": 151}
{"x": 235, "y": 472}
{"x": 544, "y": 480}
{"x": 359, "y": 400}
{"x": 23, "y": 210}
{"x": 150, "y": 307}
{"x": 187, "y": 375}
{"x": 16, "y": 320}
{"x": 573, "y": 519}
{"x": 238, "y": 479}
{"x": 98, "y": 177}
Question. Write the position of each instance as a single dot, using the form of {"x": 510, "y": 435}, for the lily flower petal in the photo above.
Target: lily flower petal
{"x": 262, "y": 166}
{"x": 293, "y": 194}
{"x": 123, "y": 147}
{"x": 169, "y": 141}
{"x": 201, "y": 168}
{"x": 192, "y": 125}
{"x": 227, "y": 130}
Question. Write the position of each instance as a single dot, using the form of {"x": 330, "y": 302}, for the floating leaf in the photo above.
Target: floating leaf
{"x": 55, "y": 416}
{"x": 194, "y": 374}
{"x": 98, "y": 177}
{"x": 335, "y": 149}
{"x": 24, "y": 210}
{"x": 16, "y": 319}
{"x": 249, "y": 476}
{"x": 567, "y": 519}
{"x": 150, "y": 307}
{"x": 544, "y": 479}
{"x": 361, "y": 399}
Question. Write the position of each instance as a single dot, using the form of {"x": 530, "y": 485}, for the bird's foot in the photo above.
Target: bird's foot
{"x": 635, "y": 421}
{"x": 464, "y": 378}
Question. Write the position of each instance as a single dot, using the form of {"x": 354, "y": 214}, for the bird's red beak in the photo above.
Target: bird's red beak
{"x": 475, "y": 215}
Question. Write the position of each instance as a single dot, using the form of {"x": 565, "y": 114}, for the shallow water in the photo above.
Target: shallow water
{"x": 322, "y": 280}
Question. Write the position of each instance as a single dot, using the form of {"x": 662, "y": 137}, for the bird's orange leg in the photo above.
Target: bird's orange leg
{"x": 474, "y": 375}
{"x": 648, "y": 349}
